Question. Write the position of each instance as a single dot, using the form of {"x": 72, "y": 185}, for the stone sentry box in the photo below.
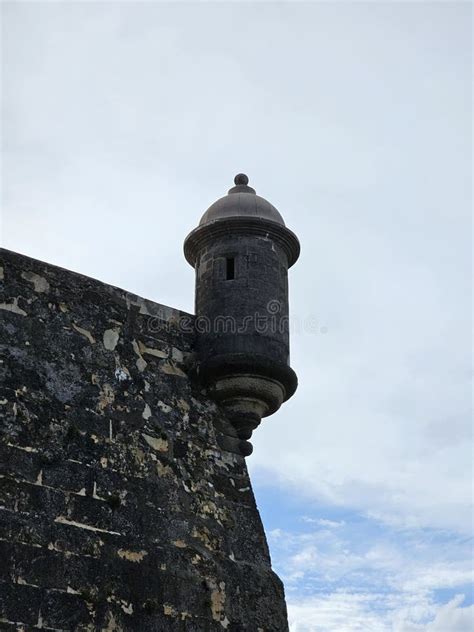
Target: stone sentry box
{"x": 125, "y": 501}
{"x": 241, "y": 252}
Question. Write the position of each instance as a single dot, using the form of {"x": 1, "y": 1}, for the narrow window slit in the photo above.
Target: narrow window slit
{"x": 230, "y": 268}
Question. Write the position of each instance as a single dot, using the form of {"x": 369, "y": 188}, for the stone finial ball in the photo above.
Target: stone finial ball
{"x": 241, "y": 178}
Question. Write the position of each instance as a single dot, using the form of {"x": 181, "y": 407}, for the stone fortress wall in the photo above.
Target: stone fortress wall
{"x": 119, "y": 509}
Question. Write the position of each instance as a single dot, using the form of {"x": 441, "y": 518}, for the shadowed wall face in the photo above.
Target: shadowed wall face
{"x": 118, "y": 509}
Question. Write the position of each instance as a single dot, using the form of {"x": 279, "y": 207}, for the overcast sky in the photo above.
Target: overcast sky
{"x": 123, "y": 122}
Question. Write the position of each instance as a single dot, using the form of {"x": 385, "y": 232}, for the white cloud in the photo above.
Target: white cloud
{"x": 452, "y": 618}
{"x": 403, "y": 561}
{"x": 350, "y": 579}
{"x": 323, "y": 522}
{"x": 349, "y": 612}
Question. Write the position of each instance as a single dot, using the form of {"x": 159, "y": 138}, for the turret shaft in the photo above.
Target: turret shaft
{"x": 241, "y": 252}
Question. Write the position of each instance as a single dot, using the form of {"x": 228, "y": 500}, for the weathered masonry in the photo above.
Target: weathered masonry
{"x": 125, "y": 502}
{"x": 241, "y": 251}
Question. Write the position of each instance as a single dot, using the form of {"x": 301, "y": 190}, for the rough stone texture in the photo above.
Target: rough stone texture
{"x": 118, "y": 509}
{"x": 256, "y": 300}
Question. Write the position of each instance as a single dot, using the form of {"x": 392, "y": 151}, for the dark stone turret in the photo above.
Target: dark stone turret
{"x": 241, "y": 251}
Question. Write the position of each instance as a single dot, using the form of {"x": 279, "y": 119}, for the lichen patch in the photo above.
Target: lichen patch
{"x": 169, "y": 611}
{"x": 110, "y": 339}
{"x": 217, "y": 602}
{"x": 157, "y": 353}
{"x": 131, "y": 556}
{"x": 164, "y": 407}
{"x": 112, "y": 625}
{"x": 40, "y": 284}
{"x": 141, "y": 363}
{"x": 106, "y": 397}
{"x": 13, "y": 307}
{"x": 161, "y": 445}
{"x": 85, "y": 333}
{"x": 163, "y": 470}
{"x": 171, "y": 369}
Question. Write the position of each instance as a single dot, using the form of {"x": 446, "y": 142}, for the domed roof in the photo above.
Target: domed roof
{"x": 242, "y": 212}
{"x": 241, "y": 201}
